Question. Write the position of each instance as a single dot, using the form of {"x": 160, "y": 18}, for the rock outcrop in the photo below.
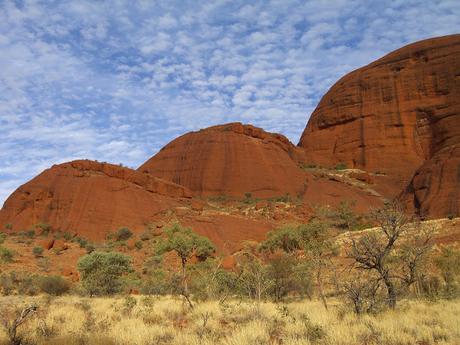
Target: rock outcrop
{"x": 232, "y": 160}
{"x": 400, "y": 116}
{"x": 90, "y": 199}
{"x": 384, "y": 117}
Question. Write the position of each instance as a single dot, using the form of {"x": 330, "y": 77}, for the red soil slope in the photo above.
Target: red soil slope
{"x": 90, "y": 198}
{"x": 231, "y": 159}
{"x": 392, "y": 115}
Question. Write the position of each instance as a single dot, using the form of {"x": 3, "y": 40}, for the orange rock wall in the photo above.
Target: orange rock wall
{"x": 231, "y": 159}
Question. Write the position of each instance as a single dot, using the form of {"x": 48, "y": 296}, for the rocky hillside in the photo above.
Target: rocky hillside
{"x": 390, "y": 129}
{"x": 400, "y": 115}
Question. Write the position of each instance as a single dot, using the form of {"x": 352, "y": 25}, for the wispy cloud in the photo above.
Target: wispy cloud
{"x": 117, "y": 80}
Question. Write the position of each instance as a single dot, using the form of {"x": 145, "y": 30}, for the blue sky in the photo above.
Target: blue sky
{"x": 117, "y": 80}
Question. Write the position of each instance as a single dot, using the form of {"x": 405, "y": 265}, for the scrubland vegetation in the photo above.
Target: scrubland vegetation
{"x": 322, "y": 282}
{"x": 166, "y": 320}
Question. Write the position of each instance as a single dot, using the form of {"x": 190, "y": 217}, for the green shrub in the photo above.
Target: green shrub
{"x": 6, "y": 255}
{"x": 138, "y": 245}
{"x": 44, "y": 228}
{"x": 54, "y": 285}
{"x": 82, "y": 242}
{"x": 9, "y": 226}
{"x": 2, "y": 237}
{"x": 37, "y": 251}
{"x": 340, "y": 166}
{"x": 100, "y": 272}
{"x": 123, "y": 234}
{"x": 68, "y": 236}
{"x": 30, "y": 233}
{"x": 159, "y": 282}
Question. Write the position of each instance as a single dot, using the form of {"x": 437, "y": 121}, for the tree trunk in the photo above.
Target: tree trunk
{"x": 319, "y": 282}
{"x": 185, "y": 285}
{"x": 391, "y": 292}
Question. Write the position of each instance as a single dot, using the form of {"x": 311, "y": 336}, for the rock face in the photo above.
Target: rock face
{"x": 391, "y": 115}
{"x": 435, "y": 188}
{"x": 89, "y": 198}
{"x": 231, "y": 159}
{"x": 400, "y": 115}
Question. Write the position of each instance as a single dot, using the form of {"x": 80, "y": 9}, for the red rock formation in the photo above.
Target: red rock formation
{"x": 435, "y": 188}
{"x": 396, "y": 115}
{"x": 391, "y": 115}
{"x": 231, "y": 159}
{"x": 89, "y": 198}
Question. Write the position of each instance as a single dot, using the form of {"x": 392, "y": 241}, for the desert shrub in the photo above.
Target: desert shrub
{"x": 101, "y": 272}
{"x": 129, "y": 303}
{"x": 82, "y": 242}
{"x": 2, "y": 237}
{"x": 6, "y": 284}
{"x": 53, "y": 285}
{"x": 30, "y": 233}
{"x": 340, "y": 166}
{"x": 43, "y": 264}
{"x": 450, "y": 216}
{"x": 12, "y": 317}
{"x": 344, "y": 217}
{"x": 37, "y": 251}
{"x": 9, "y": 226}
{"x": 68, "y": 236}
{"x": 145, "y": 236}
{"x": 22, "y": 283}
{"x": 159, "y": 282}
{"x": 138, "y": 245}
{"x": 363, "y": 294}
{"x": 90, "y": 248}
{"x": 44, "y": 228}
{"x": 6, "y": 255}
{"x": 123, "y": 234}
{"x": 448, "y": 263}
{"x": 288, "y": 275}
{"x": 211, "y": 281}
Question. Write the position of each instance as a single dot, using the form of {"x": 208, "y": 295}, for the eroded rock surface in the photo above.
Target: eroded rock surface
{"x": 399, "y": 116}
{"x": 89, "y": 198}
{"x": 231, "y": 159}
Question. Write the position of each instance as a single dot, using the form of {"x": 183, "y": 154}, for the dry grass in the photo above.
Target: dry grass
{"x": 154, "y": 321}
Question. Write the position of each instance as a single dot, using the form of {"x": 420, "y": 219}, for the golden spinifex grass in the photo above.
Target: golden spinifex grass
{"x": 150, "y": 320}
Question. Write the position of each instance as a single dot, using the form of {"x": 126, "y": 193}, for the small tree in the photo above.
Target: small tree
{"x": 345, "y": 217}
{"x": 288, "y": 274}
{"x": 313, "y": 240}
{"x": 362, "y": 293}
{"x": 319, "y": 248}
{"x": 382, "y": 253}
{"x": 254, "y": 276}
{"x": 100, "y": 272}
{"x": 186, "y": 244}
